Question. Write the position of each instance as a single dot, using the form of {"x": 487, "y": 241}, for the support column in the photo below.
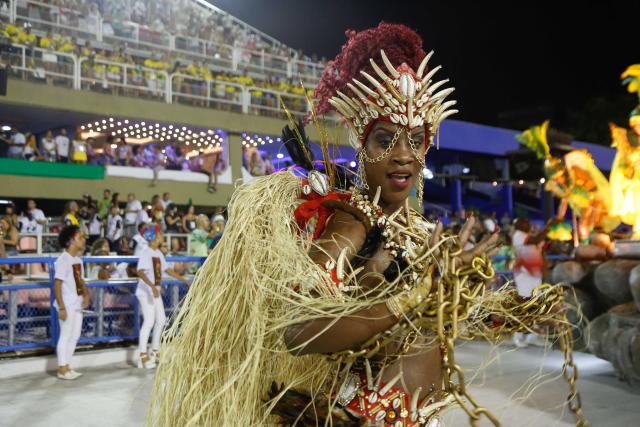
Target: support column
{"x": 456, "y": 195}
{"x": 507, "y": 198}
{"x": 546, "y": 205}
{"x": 235, "y": 156}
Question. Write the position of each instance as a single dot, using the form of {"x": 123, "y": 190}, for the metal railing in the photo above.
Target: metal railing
{"x": 133, "y": 79}
{"x": 44, "y": 17}
{"x": 83, "y": 73}
{"x": 28, "y": 318}
{"x": 34, "y": 63}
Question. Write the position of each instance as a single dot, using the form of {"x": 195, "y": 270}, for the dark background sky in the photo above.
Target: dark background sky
{"x": 514, "y": 63}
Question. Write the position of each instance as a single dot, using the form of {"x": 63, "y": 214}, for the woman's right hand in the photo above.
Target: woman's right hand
{"x": 156, "y": 292}
{"x": 62, "y": 314}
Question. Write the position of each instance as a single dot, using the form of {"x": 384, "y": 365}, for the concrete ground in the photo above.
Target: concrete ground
{"x": 118, "y": 395}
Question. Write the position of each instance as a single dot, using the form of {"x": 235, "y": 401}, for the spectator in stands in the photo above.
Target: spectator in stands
{"x": 80, "y": 150}
{"x": 157, "y": 211}
{"x": 156, "y": 162}
{"x": 131, "y": 215}
{"x": 48, "y": 144}
{"x": 104, "y": 203}
{"x": 505, "y": 222}
{"x": 18, "y": 140}
{"x": 71, "y": 297}
{"x": 31, "y": 151}
{"x": 151, "y": 265}
{"x": 138, "y": 159}
{"x": 268, "y": 165}
{"x": 83, "y": 215}
{"x": 10, "y": 211}
{"x": 173, "y": 220}
{"x": 95, "y": 224}
{"x": 214, "y": 169}
{"x": 37, "y": 216}
{"x": 115, "y": 228}
{"x": 166, "y": 200}
{"x": 199, "y": 238}
{"x": 100, "y": 271}
{"x": 70, "y": 214}
{"x": 217, "y": 224}
{"x": 256, "y": 164}
{"x": 62, "y": 146}
{"x": 143, "y": 216}
{"x": 189, "y": 220}
{"x": 9, "y": 235}
{"x": 115, "y": 199}
{"x": 124, "y": 152}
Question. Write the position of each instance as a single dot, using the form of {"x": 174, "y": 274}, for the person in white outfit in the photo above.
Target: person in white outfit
{"x": 151, "y": 265}
{"x": 527, "y": 270}
{"x": 71, "y": 297}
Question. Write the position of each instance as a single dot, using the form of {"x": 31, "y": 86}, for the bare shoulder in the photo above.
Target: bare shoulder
{"x": 343, "y": 230}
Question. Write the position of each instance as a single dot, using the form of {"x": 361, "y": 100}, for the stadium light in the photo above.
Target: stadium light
{"x": 352, "y": 164}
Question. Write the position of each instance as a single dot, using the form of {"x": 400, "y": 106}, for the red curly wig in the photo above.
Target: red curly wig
{"x": 399, "y": 42}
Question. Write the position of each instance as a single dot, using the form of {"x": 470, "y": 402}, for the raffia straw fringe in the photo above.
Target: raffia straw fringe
{"x": 225, "y": 347}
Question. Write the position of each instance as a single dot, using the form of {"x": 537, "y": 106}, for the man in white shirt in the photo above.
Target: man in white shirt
{"x": 37, "y": 216}
{"x": 166, "y": 200}
{"x": 18, "y": 142}
{"x": 131, "y": 215}
{"x": 49, "y": 150}
{"x": 115, "y": 228}
{"x": 71, "y": 297}
{"x": 62, "y": 146}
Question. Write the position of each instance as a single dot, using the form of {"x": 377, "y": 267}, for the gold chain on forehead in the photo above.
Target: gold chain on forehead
{"x": 364, "y": 157}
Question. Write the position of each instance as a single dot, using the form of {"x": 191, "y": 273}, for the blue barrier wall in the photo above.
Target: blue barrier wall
{"x": 29, "y": 320}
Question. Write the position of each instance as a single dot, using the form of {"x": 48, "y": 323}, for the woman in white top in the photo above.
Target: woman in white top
{"x": 151, "y": 265}
{"x": 49, "y": 147}
{"x": 71, "y": 297}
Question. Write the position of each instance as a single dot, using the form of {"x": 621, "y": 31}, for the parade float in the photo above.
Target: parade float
{"x": 604, "y": 272}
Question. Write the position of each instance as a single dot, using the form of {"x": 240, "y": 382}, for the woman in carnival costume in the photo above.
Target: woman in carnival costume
{"x": 326, "y": 307}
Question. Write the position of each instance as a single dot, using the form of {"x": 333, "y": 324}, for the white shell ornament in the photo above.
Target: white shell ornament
{"x": 407, "y": 85}
{"x": 318, "y": 182}
{"x": 434, "y": 422}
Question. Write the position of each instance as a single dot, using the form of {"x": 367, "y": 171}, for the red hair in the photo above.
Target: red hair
{"x": 399, "y": 42}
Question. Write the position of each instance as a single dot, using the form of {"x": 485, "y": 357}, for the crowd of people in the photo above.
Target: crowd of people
{"x": 111, "y": 151}
{"x": 122, "y": 70}
{"x": 159, "y": 19}
{"x": 114, "y": 223}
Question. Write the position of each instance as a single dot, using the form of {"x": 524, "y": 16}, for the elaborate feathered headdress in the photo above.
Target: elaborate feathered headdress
{"x": 362, "y": 91}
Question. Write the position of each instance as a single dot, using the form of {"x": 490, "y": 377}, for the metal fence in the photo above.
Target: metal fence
{"x": 29, "y": 320}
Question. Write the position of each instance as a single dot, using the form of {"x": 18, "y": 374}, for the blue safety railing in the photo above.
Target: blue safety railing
{"x": 28, "y": 318}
